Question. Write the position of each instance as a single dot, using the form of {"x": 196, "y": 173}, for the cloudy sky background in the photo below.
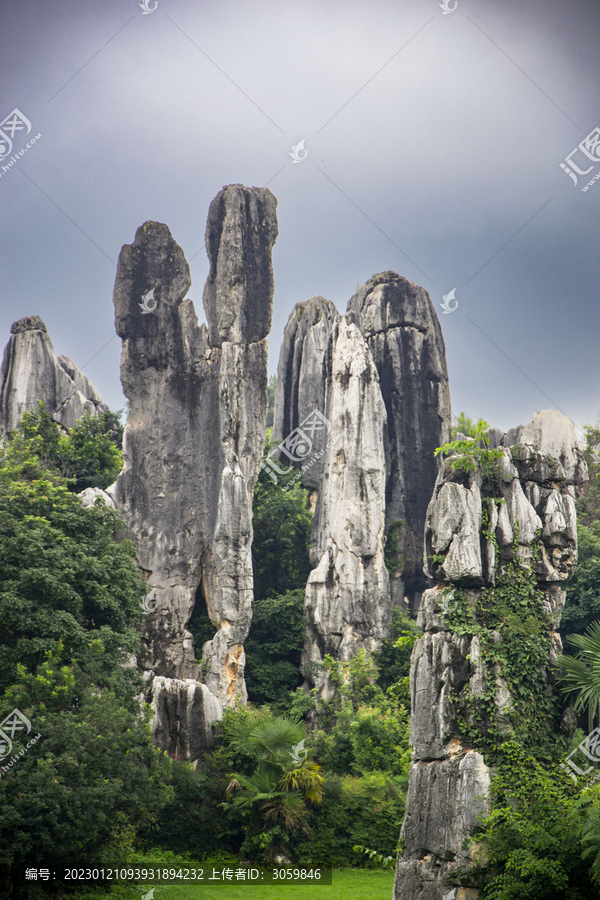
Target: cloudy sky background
{"x": 433, "y": 140}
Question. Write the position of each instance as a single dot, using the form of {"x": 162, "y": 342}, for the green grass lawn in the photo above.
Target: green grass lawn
{"x": 347, "y": 884}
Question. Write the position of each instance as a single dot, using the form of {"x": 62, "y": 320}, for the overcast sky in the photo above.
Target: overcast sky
{"x": 434, "y": 142}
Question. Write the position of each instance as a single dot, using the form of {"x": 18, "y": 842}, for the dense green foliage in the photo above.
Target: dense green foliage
{"x": 70, "y": 603}
{"x": 272, "y": 800}
{"x": 78, "y": 795}
{"x": 282, "y": 524}
{"x": 88, "y": 456}
{"x": 393, "y": 657}
{"x": 62, "y": 577}
{"x": 581, "y": 673}
{"x": 364, "y": 728}
{"x": 273, "y": 649}
{"x": 531, "y": 841}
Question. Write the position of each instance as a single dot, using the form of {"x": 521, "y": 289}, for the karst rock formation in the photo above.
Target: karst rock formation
{"x": 300, "y": 388}
{"x": 31, "y": 371}
{"x": 474, "y": 533}
{"x": 347, "y": 594}
{"x": 402, "y": 331}
{"x": 392, "y": 408}
{"x": 192, "y": 451}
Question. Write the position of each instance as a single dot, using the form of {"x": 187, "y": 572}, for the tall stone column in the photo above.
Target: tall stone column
{"x": 348, "y": 604}
{"x": 300, "y": 388}
{"x": 193, "y": 447}
{"x": 402, "y": 331}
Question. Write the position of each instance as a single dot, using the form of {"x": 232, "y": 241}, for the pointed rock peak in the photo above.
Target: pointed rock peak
{"x": 313, "y": 310}
{"x": 389, "y": 300}
{"x": 300, "y": 388}
{"x": 81, "y": 381}
{"x": 31, "y": 371}
{"x": 238, "y": 295}
{"x": 348, "y": 604}
{"x": 28, "y": 323}
{"x": 152, "y": 279}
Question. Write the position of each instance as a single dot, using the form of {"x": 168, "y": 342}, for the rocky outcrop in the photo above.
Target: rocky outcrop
{"x": 31, "y": 371}
{"x": 193, "y": 444}
{"x": 551, "y": 433}
{"x": 479, "y": 524}
{"x": 347, "y": 595}
{"x": 403, "y": 333}
{"x": 90, "y": 495}
{"x": 300, "y": 388}
{"x": 184, "y": 715}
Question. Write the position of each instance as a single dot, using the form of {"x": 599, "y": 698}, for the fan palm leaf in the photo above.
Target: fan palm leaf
{"x": 581, "y": 673}
{"x": 265, "y": 736}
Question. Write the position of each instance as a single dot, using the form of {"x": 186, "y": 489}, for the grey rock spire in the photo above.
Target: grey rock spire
{"x": 193, "y": 444}
{"x": 31, "y": 371}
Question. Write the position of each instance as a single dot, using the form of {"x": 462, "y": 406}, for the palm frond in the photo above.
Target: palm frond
{"x": 581, "y": 673}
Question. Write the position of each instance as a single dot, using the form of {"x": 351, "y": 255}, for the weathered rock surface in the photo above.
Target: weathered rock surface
{"x": 348, "y": 603}
{"x": 184, "y": 713}
{"x": 553, "y": 434}
{"x": 300, "y": 388}
{"x": 194, "y": 439}
{"x": 402, "y": 331}
{"x": 31, "y": 371}
{"x": 467, "y": 550}
{"x": 238, "y": 295}
{"x": 90, "y": 495}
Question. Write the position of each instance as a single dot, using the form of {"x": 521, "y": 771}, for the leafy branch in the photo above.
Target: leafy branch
{"x": 470, "y": 454}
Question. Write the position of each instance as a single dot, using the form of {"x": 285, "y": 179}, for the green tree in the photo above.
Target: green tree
{"x": 363, "y": 729}
{"x": 357, "y": 809}
{"x": 77, "y": 795}
{"x": 63, "y": 578}
{"x": 89, "y": 455}
{"x": 284, "y": 783}
{"x": 393, "y": 657}
{"x": 465, "y": 425}
{"x": 282, "y": 524}
{"x": 273, "y": 648}
{"x": 195, "y": 822}
{"x": 70, "y": 604}
{"x": 468, "y": 455}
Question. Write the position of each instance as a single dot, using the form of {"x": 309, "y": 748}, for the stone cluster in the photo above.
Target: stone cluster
{"x": 378, "y": 376}
{"x": 31, "y": 371}
{"x": 192, "y": 450}
{"x": 470, "y": 538}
